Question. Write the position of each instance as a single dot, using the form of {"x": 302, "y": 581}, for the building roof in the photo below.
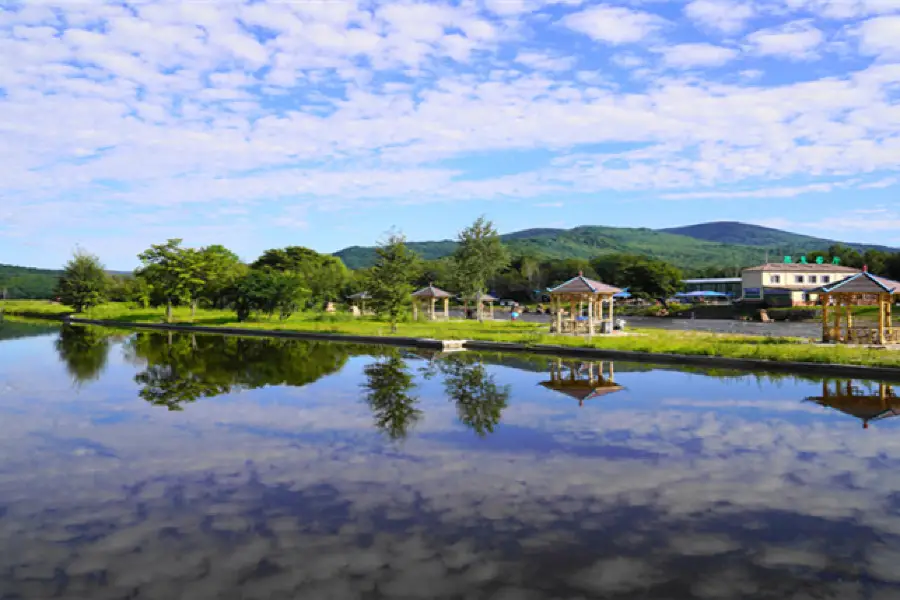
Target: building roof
{"x": 582, "y": 285}
{"x": 430, "y": 292}
{"x": 803, "y": 268}
{"x": 861, "y": 283}
{"x": 713, "y": 280}
{"x": 360, "y": 296}
{"x": 484, "y": 298}
{"x": 583, "y": 390}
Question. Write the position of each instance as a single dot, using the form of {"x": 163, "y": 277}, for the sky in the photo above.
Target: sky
{"x": 327, "y": 123}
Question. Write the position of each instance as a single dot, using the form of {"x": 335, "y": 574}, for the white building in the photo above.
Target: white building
{"x": 785, "y": 284}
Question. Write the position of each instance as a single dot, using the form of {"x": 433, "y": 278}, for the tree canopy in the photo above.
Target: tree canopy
{"x": 84, "y": 283}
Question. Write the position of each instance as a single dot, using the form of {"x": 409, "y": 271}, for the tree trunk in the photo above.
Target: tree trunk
{"x": 168, "y": 311}
{"x": 193, "y": 309}
{"x": 194, "y": 341}
{"x": 478, "y": 307}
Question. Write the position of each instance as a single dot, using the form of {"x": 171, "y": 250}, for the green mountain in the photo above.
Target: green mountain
{"x": 25, "y": 282}
{"x": 723, "y": 244}
{"x": 734, "y": 232}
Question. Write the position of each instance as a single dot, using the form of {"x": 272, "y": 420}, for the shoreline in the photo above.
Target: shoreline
{"x": 749, "y": 364}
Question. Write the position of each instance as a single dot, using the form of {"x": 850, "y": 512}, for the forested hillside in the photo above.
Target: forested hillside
{"x": 24, "y": 282}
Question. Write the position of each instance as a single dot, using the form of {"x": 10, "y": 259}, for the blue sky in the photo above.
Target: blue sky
{"x": 264, "y": 124}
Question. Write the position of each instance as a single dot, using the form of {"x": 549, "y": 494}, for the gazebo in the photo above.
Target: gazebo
{"x": 359, "y": 300}
{"x": 861, "y": 401}
{"x": 576, "y": 292}
{"x": 862, "y": 289}
{"x": 582, "y": 382}
{"x": 485, "y": 299}
{"x": 428, "y": 297}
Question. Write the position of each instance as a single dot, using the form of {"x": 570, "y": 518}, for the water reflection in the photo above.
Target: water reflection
{"x": 866, "y": 400}
{"x": 388, "y": 383}
{"x": 582, "y": 380}
{"x": 479, "y": 400}
{"x": 84, "y": 351}
{"x": 687, "y": 485}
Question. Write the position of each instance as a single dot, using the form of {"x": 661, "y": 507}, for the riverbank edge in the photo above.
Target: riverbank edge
{"x": 750, "y": 364}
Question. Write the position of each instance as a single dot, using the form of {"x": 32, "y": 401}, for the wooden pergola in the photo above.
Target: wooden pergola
{"x": 428, "y": 297}
{"x": 866, "y": 402}
{"x": 862, "y": 289}
{"x": 577, "y": 292}
{"x": 583, "y": 381}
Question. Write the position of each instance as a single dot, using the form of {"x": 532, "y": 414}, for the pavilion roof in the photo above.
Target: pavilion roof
{"x": 582, "y": 390}
{"x": 484, "y": 298}
{"x": 582, "y": 285}
{"x": 861, "y": 283}
{"x": 865, "y": 408}
{"x": 431, "y": 292}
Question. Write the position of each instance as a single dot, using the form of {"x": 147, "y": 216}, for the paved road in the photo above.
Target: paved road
{"x": 779, "y": 329}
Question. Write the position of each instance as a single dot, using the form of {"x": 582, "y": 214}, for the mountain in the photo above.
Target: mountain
{"x": 722, "y": 244}
{"x": 27, "y": 282}
{"x": 734, "y": 232}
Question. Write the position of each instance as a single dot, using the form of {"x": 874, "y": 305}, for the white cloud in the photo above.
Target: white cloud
{"x": 685, "y": 56}
{"x": 880, "y": 36}
{"x": 614, "y": 25}
{"x": 845, "y": 9}
{"x": 545, "y": 62}
{"x": 797, "y": 40}
{"x": 721, "y": 15}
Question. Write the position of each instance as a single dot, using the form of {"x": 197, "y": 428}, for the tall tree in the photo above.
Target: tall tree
{"x": 173, "y": 272}
{"x": 388, "y": 383}
{"x": 221, "y": 269}
{"x": 478, "y": 258}
{"x": 84, "y": 283}
{"x": 390, "y": 279}
{"x": 645, "y": 277}
{"x": 324, "y": 275}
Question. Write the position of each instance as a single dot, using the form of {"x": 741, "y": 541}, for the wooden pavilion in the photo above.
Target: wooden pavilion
{"x": 359, "y": 300}
{"x": 583, "y": 381}
{"x": 577, "y": 292}
{"x": 485, "y": 299}
{"x": 427, "y": 297}
{"x": 862, "y": 289}
{"x": 865, "y": 402}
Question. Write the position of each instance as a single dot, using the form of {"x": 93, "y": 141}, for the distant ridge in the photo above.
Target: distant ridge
{"x": 716, "y": 244}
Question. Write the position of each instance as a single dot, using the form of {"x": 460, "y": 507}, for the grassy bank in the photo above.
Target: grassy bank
{"x": 649, "y": 340}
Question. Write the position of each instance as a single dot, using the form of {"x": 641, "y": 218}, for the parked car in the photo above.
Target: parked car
{"x": 507, "y": 302}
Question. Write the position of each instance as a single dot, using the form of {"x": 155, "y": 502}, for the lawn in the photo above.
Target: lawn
{"x": 647, "y": 340}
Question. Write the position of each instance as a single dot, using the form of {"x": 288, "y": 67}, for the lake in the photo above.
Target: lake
{"x": 158, "y": 466}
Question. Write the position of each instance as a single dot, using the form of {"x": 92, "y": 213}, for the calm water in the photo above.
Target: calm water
{"x": 149, "y": 467}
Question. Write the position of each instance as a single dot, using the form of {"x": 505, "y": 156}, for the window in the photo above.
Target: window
{"x": 813, "y": 279}
{"x": 826, "y": 278}
{"x": 798, "y": 278}
{"x": 774, "y": 278}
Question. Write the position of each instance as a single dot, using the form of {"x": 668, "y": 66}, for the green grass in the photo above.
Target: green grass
{"x": 648, "y": 340}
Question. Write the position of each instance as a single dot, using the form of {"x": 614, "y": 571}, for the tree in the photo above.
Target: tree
{"x": 478, "y": 258}
{"x": 388, "y": 383}
{"x": 324, "y": 275}
{"x": 220, "y": 269}
{"x": 84, "y": 283}
{"x": 269, "y": 292}
{"x": 173, "y": 272}
{"x": 644, "y": 277}
{"x": 390, "y": 278}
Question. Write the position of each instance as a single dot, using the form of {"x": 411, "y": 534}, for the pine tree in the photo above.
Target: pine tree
{"x": 84, "y": 283}
{"x": 390, "y": 278}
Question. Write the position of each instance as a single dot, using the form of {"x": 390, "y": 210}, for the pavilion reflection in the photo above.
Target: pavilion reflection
{"x": 865, "y": 400}
{"x": 582, "y": 380}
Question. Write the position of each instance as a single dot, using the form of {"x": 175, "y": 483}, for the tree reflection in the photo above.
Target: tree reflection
{"x": 84, "y": 350}
{"x": 479, "y": 401}
{"x": 183, "y": 368}
{"x": 388, "y": 383}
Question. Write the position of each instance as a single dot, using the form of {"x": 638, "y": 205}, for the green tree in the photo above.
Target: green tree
{"x": 173, "y": 272}
{"x": 221, "y": 270}
{"x": 645, "y": 277}
{"x": 84, "y": 283}
{"x": 325, "y": 276}
{"x": 479, "y": 257}
{"x": 388, "y": 382}
{"x": 390, "y": 278}
{"x": 269, "y": 292}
